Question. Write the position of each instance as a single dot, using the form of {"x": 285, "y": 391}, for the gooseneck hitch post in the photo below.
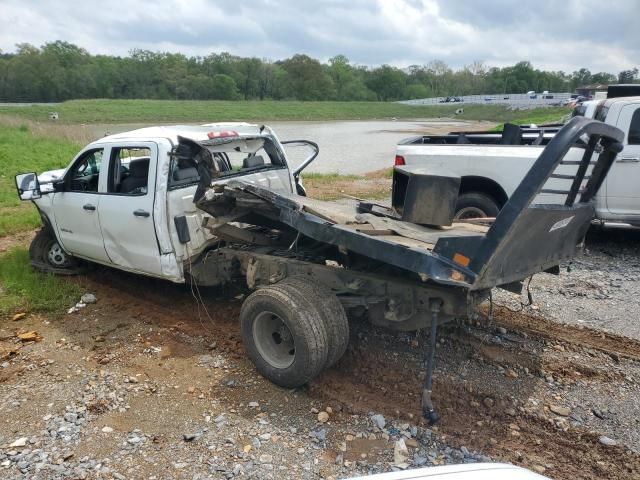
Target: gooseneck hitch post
{"x": 428, "y": 411}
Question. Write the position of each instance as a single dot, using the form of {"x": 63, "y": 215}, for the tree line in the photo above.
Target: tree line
{"x": 60, "y": 71}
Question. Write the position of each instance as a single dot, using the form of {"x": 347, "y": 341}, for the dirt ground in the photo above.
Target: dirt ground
{"x": 368, "y": 187}
{"x": 148, "y": 383}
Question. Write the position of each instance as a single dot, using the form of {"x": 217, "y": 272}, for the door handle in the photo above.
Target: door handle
{"x": 629, "y": 160}
{"x": 141, "y": 213}
{"x": 89, "y": 207}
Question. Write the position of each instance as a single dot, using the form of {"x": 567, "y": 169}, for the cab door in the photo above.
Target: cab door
{"x": 623, "y": 180}
{"x": 76, "y": 208}
{"x": 126, "y": 208}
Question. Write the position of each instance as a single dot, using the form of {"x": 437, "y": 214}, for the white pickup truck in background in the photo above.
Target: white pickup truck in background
{"x": 490, "y": 172}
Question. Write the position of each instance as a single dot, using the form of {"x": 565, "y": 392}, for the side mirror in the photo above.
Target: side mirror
{"x": 300, "y": 190}
{"x": 28, "y": 186}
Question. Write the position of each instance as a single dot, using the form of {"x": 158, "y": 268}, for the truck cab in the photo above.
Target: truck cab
{"x": 620, "y": 197}
{"x": 117, "y": 202}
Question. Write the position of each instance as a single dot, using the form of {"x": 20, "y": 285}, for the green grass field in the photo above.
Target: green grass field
{"x": 20, "y": 151}
{"x": 160, "y": 111}
{"x": 26, "y": 290}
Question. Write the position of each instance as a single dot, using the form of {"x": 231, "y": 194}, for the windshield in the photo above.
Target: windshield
{"x": 244, "y": 154}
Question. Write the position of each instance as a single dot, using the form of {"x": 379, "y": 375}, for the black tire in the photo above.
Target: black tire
{"x": 290, "y": 356}
{"x": 475, "y": 205}
{"x": 47, "y": 255}
{"x": 333, "y": 314}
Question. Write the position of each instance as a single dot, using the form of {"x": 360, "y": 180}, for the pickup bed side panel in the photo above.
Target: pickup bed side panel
{"x": 623, "y": 200}
{"x": 504, "y": 164}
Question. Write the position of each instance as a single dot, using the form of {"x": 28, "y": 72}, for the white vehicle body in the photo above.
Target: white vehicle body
{"x": 476, "y": 471}
{"x": 116, "y": 229}
{"x": 496, "y": 170}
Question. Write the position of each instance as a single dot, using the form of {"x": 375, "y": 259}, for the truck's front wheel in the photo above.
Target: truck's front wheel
{"x": 47, "y": 255}
{"x": 475, "y": 205}
{"x": 284, "y": 334}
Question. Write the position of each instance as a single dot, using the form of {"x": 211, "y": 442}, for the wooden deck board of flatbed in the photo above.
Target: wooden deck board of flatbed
{"x": 411, "y": 235}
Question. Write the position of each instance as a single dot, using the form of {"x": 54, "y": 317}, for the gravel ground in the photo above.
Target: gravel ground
{"x": 144, "y": 384}
{"x": 124, "y": 389}
{"x": 599, "y": 289}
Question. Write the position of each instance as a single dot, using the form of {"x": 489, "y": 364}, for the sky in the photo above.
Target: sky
{"x": 553, "y": 35}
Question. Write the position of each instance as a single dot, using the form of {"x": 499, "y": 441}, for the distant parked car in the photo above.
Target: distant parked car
{"x": 451, "y": 100}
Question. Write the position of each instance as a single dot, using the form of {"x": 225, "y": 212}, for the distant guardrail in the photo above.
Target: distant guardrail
{"x": 514, "y": 100}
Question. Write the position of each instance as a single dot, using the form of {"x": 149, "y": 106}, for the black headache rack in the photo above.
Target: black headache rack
{"x": 527, "y": 238}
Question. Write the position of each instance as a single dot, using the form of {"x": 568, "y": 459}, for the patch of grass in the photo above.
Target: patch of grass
{"x": 539, "y": 118}
{"x": 333, "y": 186}
{"x": 18, "y": 219}
{"x": 20, "y": 151}
{"x": 160, "y": 111}
{"x": 329, "y": 177}
{"x": 382, "y": 173}
{"x": 23, "y": 289}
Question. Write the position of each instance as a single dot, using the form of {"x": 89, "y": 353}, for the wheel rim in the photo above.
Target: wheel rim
{"x": 273, "y": 340}
{"x": 57, "y": 256}
{"x": 469, "y": 212}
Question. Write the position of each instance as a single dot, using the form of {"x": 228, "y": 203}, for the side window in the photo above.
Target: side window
{"x": 129, "y": 171}
{"x": 634, "y": 128}
{"x": 83, "y": 176}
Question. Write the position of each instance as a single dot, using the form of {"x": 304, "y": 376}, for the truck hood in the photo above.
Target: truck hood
{"x": 47, "y": 178}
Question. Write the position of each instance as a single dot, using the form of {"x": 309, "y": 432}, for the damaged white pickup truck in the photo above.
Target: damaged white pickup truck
{"x": 218, "y": 203}
{"x": 118, "y": 200}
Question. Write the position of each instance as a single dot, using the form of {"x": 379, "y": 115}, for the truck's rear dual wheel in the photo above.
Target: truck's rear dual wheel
{"x": 332, "y": 312}
{"x": 289, "y": 334}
